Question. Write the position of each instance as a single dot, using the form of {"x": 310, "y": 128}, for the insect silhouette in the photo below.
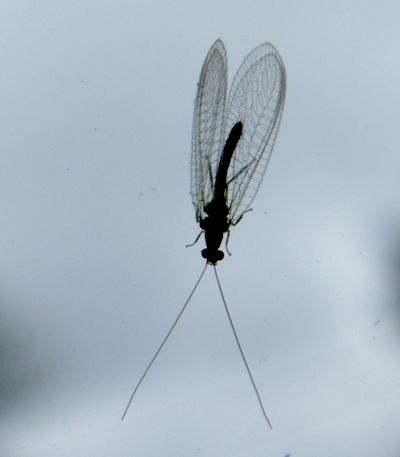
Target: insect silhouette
{"x": 232, "y": 142}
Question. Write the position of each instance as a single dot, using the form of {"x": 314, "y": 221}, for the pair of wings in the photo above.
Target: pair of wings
{"x": 256, "y": 98}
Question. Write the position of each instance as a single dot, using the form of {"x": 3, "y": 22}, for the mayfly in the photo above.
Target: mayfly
{"x": 232, "y": 143}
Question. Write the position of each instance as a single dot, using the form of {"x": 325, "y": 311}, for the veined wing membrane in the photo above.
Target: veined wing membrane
{"x": 256, "y": 99}
{"x": 207, "y": 126}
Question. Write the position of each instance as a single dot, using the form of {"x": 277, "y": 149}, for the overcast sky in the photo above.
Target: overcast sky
{"x": 96, "y": 115}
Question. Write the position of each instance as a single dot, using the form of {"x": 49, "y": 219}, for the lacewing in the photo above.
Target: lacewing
{"x": 232, "y": 142}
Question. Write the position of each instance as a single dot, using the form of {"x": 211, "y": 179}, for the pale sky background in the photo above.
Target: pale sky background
{"x": 95, "y": 135}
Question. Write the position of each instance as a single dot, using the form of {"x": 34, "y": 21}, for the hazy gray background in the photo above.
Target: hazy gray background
{"x": 95, "y": 130}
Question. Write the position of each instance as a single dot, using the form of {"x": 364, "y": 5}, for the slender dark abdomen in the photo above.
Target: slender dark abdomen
{"x": 229, "y": 148}
{"x": 216, "y": 223}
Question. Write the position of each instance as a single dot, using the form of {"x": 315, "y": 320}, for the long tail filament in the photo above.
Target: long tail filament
{"x": 241, "y": 351}
{"x": 163, "y": 342}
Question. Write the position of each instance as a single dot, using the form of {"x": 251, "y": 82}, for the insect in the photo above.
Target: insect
{"x": 232, "y": 142}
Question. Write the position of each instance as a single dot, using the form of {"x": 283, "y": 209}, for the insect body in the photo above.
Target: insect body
{"x": 216, "y": 222}
{"x": 231, "y": 146}
{"x": 232, "y": 141}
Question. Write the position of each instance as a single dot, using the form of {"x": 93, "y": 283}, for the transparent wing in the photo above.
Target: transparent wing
{"x": 207, "y": 126}
{"x": 256, "y": 98}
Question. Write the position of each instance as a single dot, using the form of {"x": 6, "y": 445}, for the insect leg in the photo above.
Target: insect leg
{"x": 226, "y": 242}
{"x": 196, "y": 240}
{"x": 240, "y": 217}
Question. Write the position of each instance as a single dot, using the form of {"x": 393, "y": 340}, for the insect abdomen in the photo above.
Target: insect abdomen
{"x": 229, "y": 148}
